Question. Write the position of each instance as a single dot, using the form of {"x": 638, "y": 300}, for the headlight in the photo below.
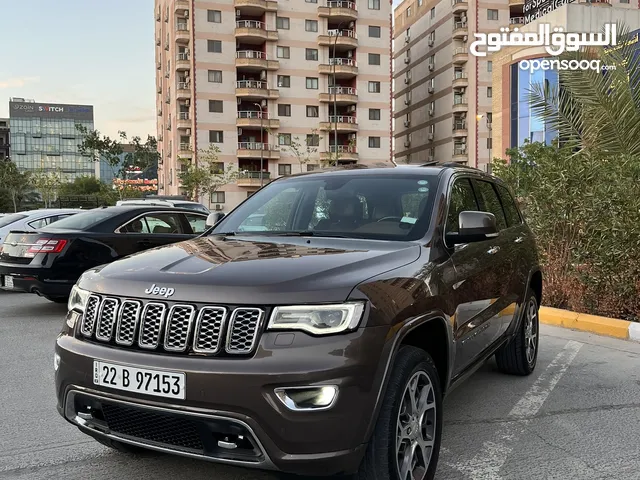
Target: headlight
{"x": 317, "y": 319}
{"x": 77, "y": 299}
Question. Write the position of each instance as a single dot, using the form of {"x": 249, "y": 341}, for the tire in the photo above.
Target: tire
{"x": 119, "y": 446}
{"x": 380, "y": 461}
{"x": 58, "y": 299}
{"x": 520, "y": 355}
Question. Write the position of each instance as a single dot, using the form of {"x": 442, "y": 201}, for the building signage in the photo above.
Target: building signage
{"x": 50, "y": 110}
{"x": 534, "y": 9}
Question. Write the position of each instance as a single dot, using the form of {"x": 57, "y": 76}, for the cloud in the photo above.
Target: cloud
{"x": 18, "y": 82}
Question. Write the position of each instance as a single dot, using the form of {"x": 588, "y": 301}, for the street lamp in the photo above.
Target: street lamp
{"x": 261, "y": 106}
{"x": 335, "y": 89}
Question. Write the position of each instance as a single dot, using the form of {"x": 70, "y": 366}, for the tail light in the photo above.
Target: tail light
{"x": 47, "y": 245}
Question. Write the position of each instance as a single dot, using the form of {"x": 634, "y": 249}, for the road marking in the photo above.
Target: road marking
{"x": 488, "y": 462}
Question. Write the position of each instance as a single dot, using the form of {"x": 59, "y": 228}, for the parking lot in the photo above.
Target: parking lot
{"x": 576, "y": 417}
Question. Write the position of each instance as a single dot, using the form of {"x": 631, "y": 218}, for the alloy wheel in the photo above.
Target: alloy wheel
{"x": 531, "y": 330}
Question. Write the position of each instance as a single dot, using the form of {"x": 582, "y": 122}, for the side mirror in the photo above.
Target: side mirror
{"x": 214, "y": 218}
{"x": 474, "y": 227}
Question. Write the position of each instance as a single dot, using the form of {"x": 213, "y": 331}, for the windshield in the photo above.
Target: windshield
{"x": 382, "y": 207}
{"x": 80, "y": 221}
{"x": 9, "y": 219}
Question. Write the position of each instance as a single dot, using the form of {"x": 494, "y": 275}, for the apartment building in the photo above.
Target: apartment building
{"x": 278, "y": 86}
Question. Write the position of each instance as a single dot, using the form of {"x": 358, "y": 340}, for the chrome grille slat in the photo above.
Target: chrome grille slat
{"x": 151, "y": 324}
{"x": 179, "y": 322}
{"x": 90, "y": 314}
{"x": 128, "y": 319}
{"x": 244, "y": 328}
{"x": 106, "y": 319}
{"x": 209, "y": 327}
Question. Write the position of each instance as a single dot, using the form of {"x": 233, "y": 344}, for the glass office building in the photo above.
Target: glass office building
{"x": 44, "y": 136}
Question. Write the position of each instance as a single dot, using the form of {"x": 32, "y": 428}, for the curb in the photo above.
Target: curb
{"x": 610, "y": 327}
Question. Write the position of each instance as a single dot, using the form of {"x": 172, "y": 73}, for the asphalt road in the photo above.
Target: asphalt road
{"x": 576, "y": 417}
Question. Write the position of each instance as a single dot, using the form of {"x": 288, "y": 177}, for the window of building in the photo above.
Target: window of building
{"x": 284, "y": 169}
{"x": 311, "y": 167}
{"x": 374, "y": 114}
{"x": 374, "y": 142}
{"x": 374, "y": 59}
{"x": 311, "y": 54}
{"x": 408, "y": 11}
{"x": 492, "y": 14}
{"x": 432, "y": 13}
{"x": 374, "y": 32}
{"x": 215, "y": 106}
{"x": 313, "y": 111}
{"x": 311, "y": 1}
{"x": 284, "y": 110}
{"x": 216, "y": 136}
{"x": 313, "y": 140}
{"x": 214, "y": 16}
{"x": 420, "y": 2}
{"x": 489, "y": 117}
{"x": 312, "y": 83}
{"x": 311, "y": 25}
{"x": 217, "y": 197}
{"x": 282, "y": 23}
{"x": 283, "y": 52}
{"x": 215, "y": 76}
{"x": 489, "y": 92}
{"x": 374, "y": 87}
{"x": 489, "y": 66}
{"x": 284, "y": 139}
{"x": 374, "y": 4}
{"x": 489, "y": 143}
{"x": 284, "y": 81}
{"x": 214, "y": 46}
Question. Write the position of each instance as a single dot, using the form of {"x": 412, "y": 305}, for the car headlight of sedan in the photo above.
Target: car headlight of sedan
{"x": 317, "y": 319}
{"x": 78, "y": 299}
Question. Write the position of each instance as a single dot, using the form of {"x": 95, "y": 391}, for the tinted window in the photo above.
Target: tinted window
{"x": 82, "y": 221}
{"x": 198, "y": 223}
{"x": 192, "y": 206}
{"x": 491, "y": 202}
{"x": 9, "y": 219}
{"x": 155, "y": 223}
{"x": 510, "y": 209}
{"x": 462, "y": 200}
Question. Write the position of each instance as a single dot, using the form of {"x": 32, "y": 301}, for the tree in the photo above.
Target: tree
{"x": 207, "y": 176}
{"x": 89, "y": 186}
{"x": 305, "y": 148}
{"x": 14, "y": 182}
{"x": 48, "y": 183}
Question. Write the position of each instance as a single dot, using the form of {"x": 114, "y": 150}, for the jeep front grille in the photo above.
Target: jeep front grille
{"x": 173, "y": 328}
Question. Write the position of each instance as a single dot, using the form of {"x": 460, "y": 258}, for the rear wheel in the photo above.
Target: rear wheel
{"x": 406, "y": 442}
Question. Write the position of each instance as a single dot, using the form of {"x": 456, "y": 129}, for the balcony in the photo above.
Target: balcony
{"x": 255, "y": 61}
{"x": 345, "y": 152}
{"x": 256, "y": 119}
{"x": 516, "y": 21}
{"x": 460, "y": 30}
{"x": 185, "y": 150}
{"x": 339, "y": 38}
{"x": 340, "y": 95}
{"x": 459, "y": 129}
{"x": 460, "y": 56}
{"x": 460, "y": 80}
{"x": 255, "y": 90}
{"x": 516, "y": 2}
{"x": 183, "y": 35}
{"x": 184, "y": 120}
{"x": 254, "y": 8}
{"x": 257, "y": 150}
{"x": 253, "y": 179}
{"x": 183, "y": 62}
{"x": 339, "y": 10}
{"x": 459, "y": 104}
{"x": 344, "y": 67}
{"x": 460, "y": 153}
{"x": 254, "y": 32}
{"x": 343, "y": 123}
{"x": 459, "y": 6}
{"x": 180, "y": 6}
{"x": 183, "y": 91}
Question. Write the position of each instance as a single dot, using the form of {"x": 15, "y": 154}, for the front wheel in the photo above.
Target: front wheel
{"x": 406, "y": 441}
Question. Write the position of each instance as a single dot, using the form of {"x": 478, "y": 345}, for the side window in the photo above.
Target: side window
{"x": 462, "y": 200}
{"x": 510, "y": 209}
{"x": 158, "y": 223}
{"x": 491, "y": 202}
{"x": 198, "y": 223}
{"x": 41, "y": 222}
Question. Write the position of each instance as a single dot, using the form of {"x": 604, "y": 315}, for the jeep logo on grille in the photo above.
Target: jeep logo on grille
{"x": 161, "y": 291}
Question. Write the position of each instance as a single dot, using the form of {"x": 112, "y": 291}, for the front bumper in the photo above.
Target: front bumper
{"x": 227, "y": 397}
{"x": 35, "y": 280}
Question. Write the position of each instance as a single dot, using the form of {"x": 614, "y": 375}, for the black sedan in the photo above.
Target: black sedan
{"x": 50, "y": 260}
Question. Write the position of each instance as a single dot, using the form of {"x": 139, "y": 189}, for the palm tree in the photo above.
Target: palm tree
{"x": 596, "y": 110}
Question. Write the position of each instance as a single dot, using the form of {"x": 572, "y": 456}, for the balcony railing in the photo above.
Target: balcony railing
{"x": 250, "y": 24}
{"x": 460, "y": 50}
{"x": 183, "y": 115}
{"x": 343, "y": 149}
{"x": 343, "y": 61}
{"x": 253, "y": 114}
{"x": 457, "y": 25}
{"x": 253, "y": 175}
{"x": 255, "y": 146}
{"x": 182, "y": 56}
{"x": 183, "y": 85}
{"x": 459, "y": 75}
{"x": 251, "y": 84}
{"x": 342, "y": 119}
{"x": 341, "y": 4}
{"x": 184, "y": 147}
{"x": 457, "y": 2}
{"x": 459, "y": 100}
{"x": 459, "y": 150}
{"x": 251, "y": 54}
{"x": 182, "y": 26}
{"x": 342, "y": 33}
{"x": 516, "y": 21}
{"x": 342, "y": 91}
{"x": 459, "y": 126}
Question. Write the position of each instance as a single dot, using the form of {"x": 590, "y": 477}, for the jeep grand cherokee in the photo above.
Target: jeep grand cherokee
{"x": 323, "y": 344}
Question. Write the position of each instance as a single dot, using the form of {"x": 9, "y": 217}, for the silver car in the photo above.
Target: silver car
{"x": 33, "y": 219}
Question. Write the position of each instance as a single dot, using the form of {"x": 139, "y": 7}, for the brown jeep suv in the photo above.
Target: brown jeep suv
{"x": 313, "y": 330}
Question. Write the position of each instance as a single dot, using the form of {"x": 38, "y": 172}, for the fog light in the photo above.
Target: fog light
{"x": 56, "y": 362}
{"x": 321, "y": 397}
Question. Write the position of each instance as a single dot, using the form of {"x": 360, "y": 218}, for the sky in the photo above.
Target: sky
{"x": 87, "y": 52}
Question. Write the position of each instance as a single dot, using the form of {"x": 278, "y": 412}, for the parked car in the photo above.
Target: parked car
{"x": 165, "y": 203}
{"x": 49, "y": 260}
{"x": 33, "y": 219}
{"x": 323, "y": 345}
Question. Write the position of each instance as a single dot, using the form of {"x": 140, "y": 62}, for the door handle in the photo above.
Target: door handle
{"x": 519, "y": 240}
{"x": 493, "y": 250}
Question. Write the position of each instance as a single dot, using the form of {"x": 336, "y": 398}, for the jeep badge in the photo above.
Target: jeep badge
{"x": 162, "y": 291}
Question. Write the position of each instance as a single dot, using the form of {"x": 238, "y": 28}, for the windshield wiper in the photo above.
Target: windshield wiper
{"x": 310, "y": 234}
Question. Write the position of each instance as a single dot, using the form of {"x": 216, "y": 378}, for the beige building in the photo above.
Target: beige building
{"x": 443, "y": 94}
{"x": 255, "y": 79}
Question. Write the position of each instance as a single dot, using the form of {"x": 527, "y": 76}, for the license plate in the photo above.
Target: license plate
{"x": 7, "y": 281}
{"x": 140, "y": 380}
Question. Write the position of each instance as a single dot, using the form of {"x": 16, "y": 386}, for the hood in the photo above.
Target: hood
{"x": 251, "y": 271}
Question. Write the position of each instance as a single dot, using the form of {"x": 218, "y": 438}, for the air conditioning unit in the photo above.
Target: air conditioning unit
{"x": 430, "y": 137}
{"x": 238, "y": 14}
{"x": 239, "y": 131}
{"x": 431, "y": 112}
{"x": 407, "y": 123}
{"x": 407, "y": 101}
{"x": 407, "y": 143}
{"x": 263, "y": 75}
{"x": 407, "y": 39}
{"x": 188, "y": 131}
{"x": 406, "y": 81}
{"x": 218, "y": 207}
{"x": 160, "y": 89}
{"x": 430, "y": 158}
{"x": 352, "y": 136}
{"x": 352, "y": 109}
{"x": 407, "y": 60}
{"x": 158, "y": 42}
{"x": 431, "y": 89}
{"x": 239, "y": 100}
{"x": 187, "y": 102}
{"x": 186, "y": 14}
{"x": 431, "y": 67}
{"x": 430, "y": 42}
